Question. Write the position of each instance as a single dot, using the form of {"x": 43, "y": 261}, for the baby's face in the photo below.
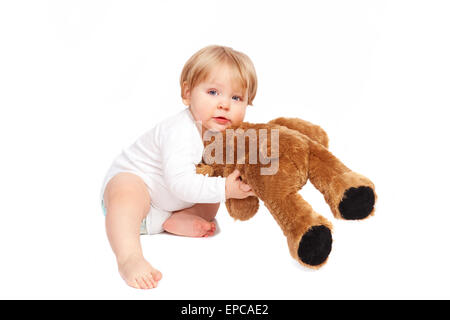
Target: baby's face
{"x": 216, "y": 102}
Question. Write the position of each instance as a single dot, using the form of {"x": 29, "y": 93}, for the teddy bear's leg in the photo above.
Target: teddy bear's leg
{"x": 350, "y": 195}
{"x": 312, "y": 131}
{"x": 308, "y": 233}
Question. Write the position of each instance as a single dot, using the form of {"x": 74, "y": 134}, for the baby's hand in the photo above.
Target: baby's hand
{"x": 235, "y": 188}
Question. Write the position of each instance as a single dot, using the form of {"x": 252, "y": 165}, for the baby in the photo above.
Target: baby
{"x": 152, "y": 186}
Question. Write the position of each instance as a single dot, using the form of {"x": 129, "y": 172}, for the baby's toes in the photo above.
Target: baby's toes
{"x": 156, "y": 275}
{"x": 141, "y": 283}
{"x": 133, "y": 283}
{"x": 201, "y": 228}
{"x": 212, "y": 229}
{"x": 148, "y": 279}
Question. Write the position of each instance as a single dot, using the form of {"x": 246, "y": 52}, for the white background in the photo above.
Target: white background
{"x": 80, "y": 80}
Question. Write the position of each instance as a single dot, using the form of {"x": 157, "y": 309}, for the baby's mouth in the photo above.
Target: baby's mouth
{"x": 221, "y": 120}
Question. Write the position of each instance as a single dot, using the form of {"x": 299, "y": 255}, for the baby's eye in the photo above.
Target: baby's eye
{"x": 213, "y": 92}
{"x": 237, "y": 98}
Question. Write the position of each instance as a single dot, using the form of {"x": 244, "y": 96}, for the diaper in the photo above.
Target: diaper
{"x": 153, "y": 222}
{"x": 155, "y": 219}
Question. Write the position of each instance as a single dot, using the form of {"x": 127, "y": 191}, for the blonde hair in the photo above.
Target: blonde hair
{"x": 198, "y": 68}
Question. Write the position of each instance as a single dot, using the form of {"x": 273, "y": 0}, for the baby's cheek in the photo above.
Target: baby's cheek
{"x": 241, "y": 116}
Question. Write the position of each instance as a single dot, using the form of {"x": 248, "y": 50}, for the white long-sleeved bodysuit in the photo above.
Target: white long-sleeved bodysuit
{"x": 165, "y": 158}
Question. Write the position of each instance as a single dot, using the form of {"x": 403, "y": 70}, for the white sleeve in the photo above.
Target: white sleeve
{"x": 179, "y": 172}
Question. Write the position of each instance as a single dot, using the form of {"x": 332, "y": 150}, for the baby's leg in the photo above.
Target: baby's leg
{"x": 195, "y": 221}
{"x": 127, "y": 202}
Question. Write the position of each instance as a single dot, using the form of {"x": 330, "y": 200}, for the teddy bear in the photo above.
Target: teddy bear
{"x": 294, "y": 151}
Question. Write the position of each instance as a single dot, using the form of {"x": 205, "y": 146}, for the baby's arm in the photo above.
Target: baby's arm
{"x": 234, "y": 187}
{"x": 189, "y": 185}
{"x": 178, "y": 158}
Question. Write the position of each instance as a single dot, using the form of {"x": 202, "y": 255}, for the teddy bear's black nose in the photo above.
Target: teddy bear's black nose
{"x": 315, "y": 245}
{"x": 357, "y": 203}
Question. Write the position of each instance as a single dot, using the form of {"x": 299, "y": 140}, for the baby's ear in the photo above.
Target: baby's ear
{"x": 186, "y": 94}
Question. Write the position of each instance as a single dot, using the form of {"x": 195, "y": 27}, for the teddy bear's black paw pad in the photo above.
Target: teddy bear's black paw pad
{"x": 357, "y": 203}
{"x": 315, "y": 245}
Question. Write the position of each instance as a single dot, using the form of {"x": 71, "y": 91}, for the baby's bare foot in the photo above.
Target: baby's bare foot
{"x": 138, "y": 273}
{"x": 189, "y": 225}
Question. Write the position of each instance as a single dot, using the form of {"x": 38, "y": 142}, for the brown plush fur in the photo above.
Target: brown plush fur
{"x": 303, "y": 155}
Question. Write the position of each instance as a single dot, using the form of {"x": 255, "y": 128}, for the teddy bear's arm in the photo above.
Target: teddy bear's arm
{"x": 242, "y": 209}
{"x": 312, "y": 131}
{"x": 204, "y": 169}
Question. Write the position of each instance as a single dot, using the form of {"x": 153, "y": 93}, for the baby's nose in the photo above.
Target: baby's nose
{"x": 223, "y": 105}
